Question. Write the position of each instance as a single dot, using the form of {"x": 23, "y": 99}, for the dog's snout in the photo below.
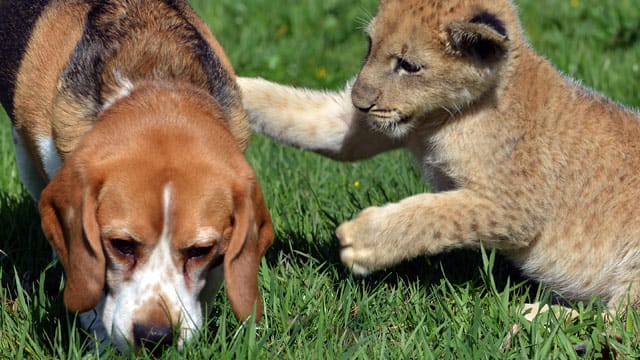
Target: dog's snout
{"x": 152, "y": 337}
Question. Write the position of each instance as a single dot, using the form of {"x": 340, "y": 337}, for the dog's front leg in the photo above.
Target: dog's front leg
{"x": 427, "y": 224}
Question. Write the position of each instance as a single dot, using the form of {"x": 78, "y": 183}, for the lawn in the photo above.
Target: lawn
{"x": 458, "y": 305}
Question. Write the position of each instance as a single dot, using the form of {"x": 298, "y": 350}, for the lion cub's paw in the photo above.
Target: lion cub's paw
{"x": 349, "y": 257}
{"x": 364, "y": 244}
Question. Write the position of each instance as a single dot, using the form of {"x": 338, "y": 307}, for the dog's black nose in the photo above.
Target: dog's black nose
{"x": 154, "y": 338}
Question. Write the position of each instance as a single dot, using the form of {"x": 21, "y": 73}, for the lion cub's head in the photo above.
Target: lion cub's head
{"x": 430, "y": 56}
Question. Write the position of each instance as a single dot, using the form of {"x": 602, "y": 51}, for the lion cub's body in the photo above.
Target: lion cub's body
{"x": 524, "y": 159}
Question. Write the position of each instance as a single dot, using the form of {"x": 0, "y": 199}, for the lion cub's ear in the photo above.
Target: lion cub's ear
{"x": 483, "y": 37}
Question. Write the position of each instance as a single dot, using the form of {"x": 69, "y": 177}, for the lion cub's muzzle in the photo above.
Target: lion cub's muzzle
{"x": 364, "y": 96}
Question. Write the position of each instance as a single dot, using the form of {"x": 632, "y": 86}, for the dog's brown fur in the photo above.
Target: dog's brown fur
{"x": 523, "y": 159}
{"x": 53, "y": 39}
{"x": 160, "y": 52}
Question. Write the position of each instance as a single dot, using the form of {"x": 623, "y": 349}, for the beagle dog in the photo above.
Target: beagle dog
{"x": 129, "y": 130}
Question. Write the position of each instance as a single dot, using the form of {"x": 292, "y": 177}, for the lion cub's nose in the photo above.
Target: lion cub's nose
{"x": 364, "y": 96}
{"x": 154, "y": 338}
{"x": 363, "y": 109}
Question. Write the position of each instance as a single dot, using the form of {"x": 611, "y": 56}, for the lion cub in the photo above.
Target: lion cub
{"x": 522, "y": 158}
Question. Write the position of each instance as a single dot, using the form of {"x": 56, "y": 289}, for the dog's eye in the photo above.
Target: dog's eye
{"x": 408, "y": 66}
{"x": 124, "y": 247}
{"x": 197, "y": 252}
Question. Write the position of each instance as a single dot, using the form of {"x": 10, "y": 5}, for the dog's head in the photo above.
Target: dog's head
{"x": 154, "y": 204}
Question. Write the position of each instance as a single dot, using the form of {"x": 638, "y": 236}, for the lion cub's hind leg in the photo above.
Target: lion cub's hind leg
{"x": 531, "y": 311}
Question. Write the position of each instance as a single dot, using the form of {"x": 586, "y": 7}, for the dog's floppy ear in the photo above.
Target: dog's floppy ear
{"x": 252, "y": 235}
{"x": 482, "y": 38}
{"x": 68, "y": 211}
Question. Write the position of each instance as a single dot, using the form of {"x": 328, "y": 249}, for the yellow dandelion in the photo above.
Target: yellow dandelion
{"x": 282, "y": 30}
{"x": 575, "y": 3}
{"x": 356, "y": 184}
{"x": 321, "y": 73}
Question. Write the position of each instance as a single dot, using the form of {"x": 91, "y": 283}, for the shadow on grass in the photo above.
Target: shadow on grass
{"x": 30, "y": 285}
{"x": 458, "y": 266}
{"x": 24, "y": 249}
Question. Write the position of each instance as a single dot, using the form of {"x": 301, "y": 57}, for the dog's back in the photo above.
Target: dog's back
{"x": 64, "y": 62}
{"x": 16, "y": 24}
{"x": 96, "y": 47}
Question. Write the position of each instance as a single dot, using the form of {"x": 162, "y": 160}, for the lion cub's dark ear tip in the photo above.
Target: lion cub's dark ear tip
{"x": 483, "y": 37}
{"x": 486, "y": 18}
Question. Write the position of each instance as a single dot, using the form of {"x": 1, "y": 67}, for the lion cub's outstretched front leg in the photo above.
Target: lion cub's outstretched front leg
{"x": 426, "y": 224}
{"x": 320, "y": 121}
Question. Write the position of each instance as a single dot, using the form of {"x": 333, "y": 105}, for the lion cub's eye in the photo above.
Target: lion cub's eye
{"x": 408, "y": 66}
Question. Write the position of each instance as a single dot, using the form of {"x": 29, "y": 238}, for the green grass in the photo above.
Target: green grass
{"x": 450, "y": 306}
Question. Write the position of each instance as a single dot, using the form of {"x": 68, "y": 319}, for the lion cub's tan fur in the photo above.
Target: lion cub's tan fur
{"x": 523, "y": 159}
